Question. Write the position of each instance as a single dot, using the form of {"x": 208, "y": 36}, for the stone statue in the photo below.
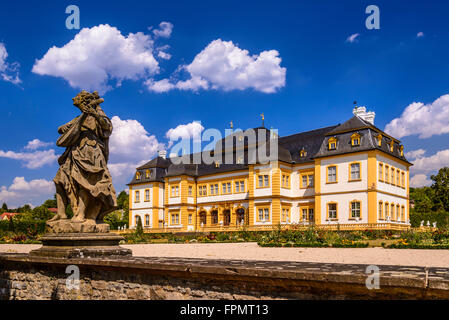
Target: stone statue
{"x": 83, "y": 179}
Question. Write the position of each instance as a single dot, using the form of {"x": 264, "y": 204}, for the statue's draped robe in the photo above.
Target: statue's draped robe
{"x": 83, "y": 166}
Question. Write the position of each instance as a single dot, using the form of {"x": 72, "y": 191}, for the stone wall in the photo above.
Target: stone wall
{"x": 25, "y": 277}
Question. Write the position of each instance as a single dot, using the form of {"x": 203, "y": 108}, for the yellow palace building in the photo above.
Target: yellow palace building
{"x": 348, "y": 176}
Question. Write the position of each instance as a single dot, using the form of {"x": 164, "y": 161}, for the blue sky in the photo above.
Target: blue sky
{"x": 309, "y": 81}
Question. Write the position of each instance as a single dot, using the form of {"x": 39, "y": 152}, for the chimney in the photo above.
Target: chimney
{"x": 162, "y": 154}
{"x": 367, "y": 116}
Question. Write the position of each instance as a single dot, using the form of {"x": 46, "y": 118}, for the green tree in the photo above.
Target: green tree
{"x": 4, "y": 207}
{"x": 422, "y": 198}
{"x": 440, "y": 188}
{"x": 123, "y": 201}
{"x": 41, "y": 213}
{"x": 50, "y": 203}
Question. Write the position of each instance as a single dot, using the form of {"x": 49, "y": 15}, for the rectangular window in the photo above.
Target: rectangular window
{"x": 355, "y": 171}
{"x": 304, "y": 181}
{"x": 190, "y": 219}
{"x": 147, "y": 195}
{"x": 242, "y": 186}
{"x": 137, "y": 196}
{"x": 332, "y": 174}
{"x": 264, "y": 181}
{"x": 229, "y": 187}
{"x": 190, "y": 191}
{"x": 403, "y": 179}
{"x": 237, "y": 187}
{"x": 285, "y": 215}
{"x": 307, "y": 180}
{"x": 386, "y": 174}
{"x": 392, "y": 176}
{"x": 264, "y": 214}
{"x": 332, "y": 210}
{"x": 387, "y": 208}
{"x": 202, "y": 191}
{"x": 381, "y": 172}
{"x": 304, "y": 214}
{"x": 380, "y": 213}
{"x": 147, "y": 220}
{"x": 398, "y": 213}
{"x": 355, "y": 210}
{"x": 393, "y": 217}
{"x": 398, "y": 177}
{"x": 285, "y": 181}
{"x": 403, "y": 213}
{"x": 175, "y": 191}
{"x": 175, "y": 218}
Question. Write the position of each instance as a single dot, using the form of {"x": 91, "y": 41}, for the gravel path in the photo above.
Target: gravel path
{"x": 251, "y": 251}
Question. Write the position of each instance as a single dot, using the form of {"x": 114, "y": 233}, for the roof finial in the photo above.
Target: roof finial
{"x": 263, "y": 119}
{"x": 355, "y": 104}
{"x": 232, "y": 125}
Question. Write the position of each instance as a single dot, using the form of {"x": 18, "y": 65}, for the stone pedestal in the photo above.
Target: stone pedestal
{"x": 81, "y": 245}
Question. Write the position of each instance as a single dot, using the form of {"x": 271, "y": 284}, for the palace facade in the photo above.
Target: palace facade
{"x": 348, "y": 176}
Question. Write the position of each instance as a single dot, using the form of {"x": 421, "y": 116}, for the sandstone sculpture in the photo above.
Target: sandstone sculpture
{"x": 83, "y": 179}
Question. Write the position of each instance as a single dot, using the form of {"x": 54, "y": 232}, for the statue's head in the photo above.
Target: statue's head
{"x": 86, "y": 98}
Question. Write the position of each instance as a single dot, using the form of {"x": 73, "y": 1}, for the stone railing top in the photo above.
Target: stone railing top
{"x": 395, "y": 276}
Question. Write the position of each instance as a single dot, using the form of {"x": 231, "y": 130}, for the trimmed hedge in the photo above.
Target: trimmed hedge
{"x": 417, "y": 246}
{"x": 315, "y": 245}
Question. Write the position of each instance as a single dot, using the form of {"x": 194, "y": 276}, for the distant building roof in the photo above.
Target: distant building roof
{"x": 8, "y": 215}
{"x": 53, "y": 210}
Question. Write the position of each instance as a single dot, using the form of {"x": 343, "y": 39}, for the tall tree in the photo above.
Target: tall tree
{"x": 4, "y": 207}
{"x": 440, "y": 189}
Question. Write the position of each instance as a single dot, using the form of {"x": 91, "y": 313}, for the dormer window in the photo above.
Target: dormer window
{"x": 332, "y": 143}
{"x": 217, "y": 164}
{"x": 303, "y": 153}
{"x": 391, "y": 145}
{"x": 355, "y": 140}
{"x": 148, "y": 174}
{"x": 401, "y": 150}
{"x": 138, "y": 176}
{"x": 379, "y": 140}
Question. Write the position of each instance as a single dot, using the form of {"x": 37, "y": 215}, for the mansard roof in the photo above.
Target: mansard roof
{"x": 314, "y": 144}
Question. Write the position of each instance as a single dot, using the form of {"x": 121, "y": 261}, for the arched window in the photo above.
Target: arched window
{"x": 240, "y": 216}
{"x": 214, "y": 216}
{"x": 203, "y": 218}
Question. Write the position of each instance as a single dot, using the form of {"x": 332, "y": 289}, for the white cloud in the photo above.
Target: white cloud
{"x": 8, "y": 72}
{"x": 37, "y": 144}
{"x": 224, "y": 66}
{"x": 32, "y": 160}
{"x": 164, "y": 55}
{"x": 160, "y": 86}
{"x": 185, "y": 131}
{"x": 420, "y": 34}
{"x": 130, "y": 141}
{"x": 420, "y": 180}
{"x": 164, "y": 31}
{"x": 422, "y": 119}
{"x": 98, "y": 55}
{"x": 415, "y": 154}
{"x": 352, "y": 37}
{"x": 21, "y": 192}
{"x": 431, "y": 163}
{"x": 130, "y": 146}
